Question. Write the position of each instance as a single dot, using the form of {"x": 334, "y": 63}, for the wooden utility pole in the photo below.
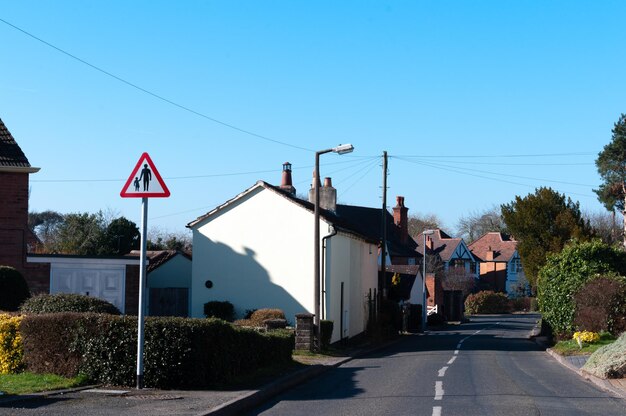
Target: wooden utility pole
{"x": 383, "y": 242}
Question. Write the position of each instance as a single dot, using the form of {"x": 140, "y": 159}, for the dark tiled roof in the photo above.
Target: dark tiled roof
{"x": 360, "y": 221}
{"x": 502, "y": 245}
{"x": 443, "y": 244}
{"x": 10, "y": 153}
{"x": 157, "y": 258}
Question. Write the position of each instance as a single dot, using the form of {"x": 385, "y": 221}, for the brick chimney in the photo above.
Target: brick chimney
{"x": 286, "y": 183}
{"x": 328, "y": 195}
{"x": 429, "y": 242}
{"x": 401, "y": 219}
{"x": 489, "y": 256}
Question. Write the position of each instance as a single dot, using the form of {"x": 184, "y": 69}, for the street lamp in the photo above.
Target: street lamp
{"x": 342, "y": 149}
{"x": 425, "y": 233}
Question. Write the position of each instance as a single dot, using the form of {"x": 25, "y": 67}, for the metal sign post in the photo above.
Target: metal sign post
{"x": 138, "y": 186}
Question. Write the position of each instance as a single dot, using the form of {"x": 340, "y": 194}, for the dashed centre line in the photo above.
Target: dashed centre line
{"x": 451, "y": 360}
{"x": 439, "y": 390}
{"x": 436, "y": 410}
{"x": 442, "y": 372}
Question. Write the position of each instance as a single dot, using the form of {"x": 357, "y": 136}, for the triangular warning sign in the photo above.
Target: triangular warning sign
{"x": 145, "y": 181}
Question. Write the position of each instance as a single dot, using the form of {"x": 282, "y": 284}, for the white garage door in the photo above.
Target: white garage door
{"x": 104, "y": 282}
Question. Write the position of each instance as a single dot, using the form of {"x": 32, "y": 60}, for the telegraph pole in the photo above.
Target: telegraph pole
{"x": 383, "y": 243}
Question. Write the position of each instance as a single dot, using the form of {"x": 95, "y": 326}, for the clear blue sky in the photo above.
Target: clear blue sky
{"x": 446, "y": 87}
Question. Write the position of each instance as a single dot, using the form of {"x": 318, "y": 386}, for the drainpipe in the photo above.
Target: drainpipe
{"x": 332, "y": 233}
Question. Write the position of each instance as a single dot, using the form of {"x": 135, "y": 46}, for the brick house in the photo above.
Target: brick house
{"x": 15, "y": 235}
{"x": 499, "y": 263}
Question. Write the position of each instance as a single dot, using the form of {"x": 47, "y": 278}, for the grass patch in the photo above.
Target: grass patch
{"x": 570, "y": 346}
{"x": 24, "y": 383}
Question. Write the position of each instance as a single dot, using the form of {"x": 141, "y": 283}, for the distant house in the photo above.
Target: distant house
{"x": 15, "y": 235}
{"x": 169, "y": 283}
{"x": 455, "y": 271}
{"x": 499, "y": 263}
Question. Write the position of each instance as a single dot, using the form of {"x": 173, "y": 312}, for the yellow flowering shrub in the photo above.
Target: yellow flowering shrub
{"x": 11, "y": 348}
{"x": 586, "y": 336}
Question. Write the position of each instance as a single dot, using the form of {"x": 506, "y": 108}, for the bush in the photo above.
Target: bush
{"x": 601, "y": 306}
{"x": 220, "y": 309}
{"x": 608, "y": 361}
{"x": 67, "y": 302}
{"x": 179, "y": 352}
{"x": 259, "y": 316}
{"x": 488, "y": 302}
{"x": 519, "y": 304}
{"x": 566, "y": 272}
{"x": 13, "y": 289}
{"x": 11, "y": 348}
{"x": 326, "y": 333}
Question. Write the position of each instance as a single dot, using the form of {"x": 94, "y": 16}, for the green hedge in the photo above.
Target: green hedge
{"x": 220, "y": 309}
{"x": 565, "y": 273}
{"x": 179, "y": 352}
{"x": 487, "y": 302}
{"x": 67, "y": 302}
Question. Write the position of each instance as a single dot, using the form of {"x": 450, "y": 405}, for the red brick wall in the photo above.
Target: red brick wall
{"x": 14, "y": 231}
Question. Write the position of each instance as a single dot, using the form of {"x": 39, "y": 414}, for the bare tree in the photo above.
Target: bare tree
{"x": 477, "y": 223}
{"x": 604, "y": 225}
{"x": 458, "y": 278}
{"x": 420, "y": 222}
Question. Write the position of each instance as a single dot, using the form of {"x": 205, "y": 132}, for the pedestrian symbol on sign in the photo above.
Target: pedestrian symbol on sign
{"x": 140, "y": 183}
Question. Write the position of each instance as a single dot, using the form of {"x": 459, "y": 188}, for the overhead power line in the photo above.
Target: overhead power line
{"x": 153, "y": 94}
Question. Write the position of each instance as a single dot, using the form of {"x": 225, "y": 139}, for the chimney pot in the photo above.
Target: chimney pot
{"x": 328, "y": 182}
{"x": 286, "y": 182}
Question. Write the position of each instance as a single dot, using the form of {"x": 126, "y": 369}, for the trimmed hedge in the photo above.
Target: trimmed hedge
{"x": 219, "y": 309}
{"x": 67, "y": 302}
{"x": 179, "y": 352}
{"x": 487, "y": 302}
{"x": 259, "y": 316}
{"x": 601, "y": 306}
{"x": 13, "y": 289}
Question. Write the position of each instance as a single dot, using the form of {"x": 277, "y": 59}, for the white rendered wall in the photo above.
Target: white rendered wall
{"x": 353, "y": 262}
{"x": 258, "y": 252}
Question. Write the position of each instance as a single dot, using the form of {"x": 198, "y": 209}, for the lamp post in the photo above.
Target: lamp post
{"x": 341, "y": 150}
{"x": 425, "y": 233}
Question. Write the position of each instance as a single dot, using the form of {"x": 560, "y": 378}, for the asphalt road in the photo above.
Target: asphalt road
{"x": 486, "y": 367}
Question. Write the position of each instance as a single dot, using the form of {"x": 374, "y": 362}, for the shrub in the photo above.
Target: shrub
{"x": 520, "y": 304}
{"x": 326, "y": 333}
{"x": 179, "y": 352}
{"x": 601, "y": 306}
{"x": 219, "y": 309}
{"x": 566, "y": 272}
{"x": 11, "y": 348}
{"x": 13, "y": 289}
{"x": 67, "y": 302}
{"x": 534, "y": 305}
{"x": 488, "y": 302}
{"x": 608, "y": 361}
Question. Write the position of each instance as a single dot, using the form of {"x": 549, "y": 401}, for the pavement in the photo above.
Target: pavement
{"x": 576, "y": 362}
{"x": 91, "y": 400}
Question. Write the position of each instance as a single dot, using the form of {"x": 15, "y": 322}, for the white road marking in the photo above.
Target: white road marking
{"x": 436, "y": 410}
{"x": 442, "y": 372}
{"x": 451, "y": 360}
{"x": 458, "y": 346}
{"x": 439, "y": 390}
{"x": 456, "y": 352}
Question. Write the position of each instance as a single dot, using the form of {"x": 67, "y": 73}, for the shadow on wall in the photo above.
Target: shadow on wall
{"x": 243, "y": 281}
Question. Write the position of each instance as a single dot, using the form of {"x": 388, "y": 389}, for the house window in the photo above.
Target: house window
{"x": 516, "y": 265}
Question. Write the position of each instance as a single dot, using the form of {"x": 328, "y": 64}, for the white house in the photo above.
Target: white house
{"x": 256, "y": 251}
